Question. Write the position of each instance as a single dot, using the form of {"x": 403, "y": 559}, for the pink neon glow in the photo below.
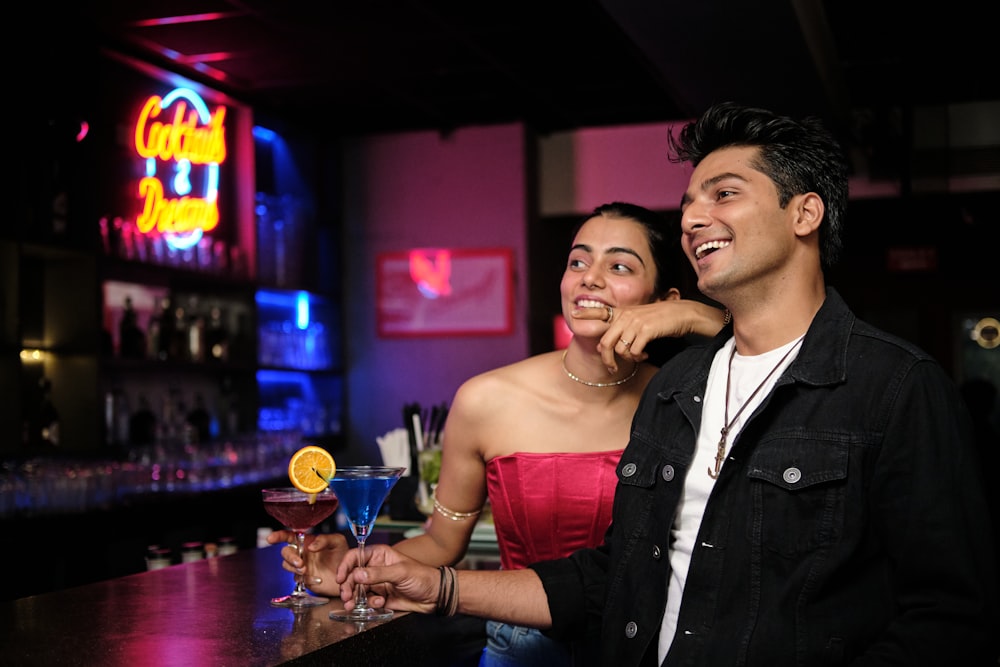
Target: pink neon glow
{"x": 432, "y": 276}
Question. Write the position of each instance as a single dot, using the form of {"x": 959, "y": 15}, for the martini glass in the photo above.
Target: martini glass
{"x": 299, "y": 512}
{"x": 362, "y": 490}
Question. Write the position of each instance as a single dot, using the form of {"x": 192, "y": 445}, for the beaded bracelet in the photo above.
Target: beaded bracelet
{"x": 453, "y": 598}
{"x": 447, "y": 598}
{"x": 439, "y": 605}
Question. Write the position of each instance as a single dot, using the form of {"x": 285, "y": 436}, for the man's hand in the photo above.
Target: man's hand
{"x": 393, "y": 580}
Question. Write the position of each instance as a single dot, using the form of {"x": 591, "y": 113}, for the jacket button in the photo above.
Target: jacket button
{"x": 631, "y": 629}
{"x": 667, "y": 472}
{"x": 656, "y": 552}
{"x": 628, "y": 469}
{"x": 792, "y": 475}
{"x": 697, "y": 399}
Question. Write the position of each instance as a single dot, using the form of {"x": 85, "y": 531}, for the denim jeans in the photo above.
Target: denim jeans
{"x": 516, "y": 646}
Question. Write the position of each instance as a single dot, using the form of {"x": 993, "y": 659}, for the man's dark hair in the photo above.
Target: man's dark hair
{"x": 800, "y": 156}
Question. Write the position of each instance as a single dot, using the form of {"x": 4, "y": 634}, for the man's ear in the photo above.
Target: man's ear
{"x": 673, "y": 294}
{"x": 810, "y": 212}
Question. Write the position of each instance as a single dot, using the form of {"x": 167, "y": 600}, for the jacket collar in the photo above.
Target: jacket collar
{"x": 822, "y": 359}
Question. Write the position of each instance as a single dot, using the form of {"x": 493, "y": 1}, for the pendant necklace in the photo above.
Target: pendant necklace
{"x": 720, "y": 454}
{"x": 635, "y": 369}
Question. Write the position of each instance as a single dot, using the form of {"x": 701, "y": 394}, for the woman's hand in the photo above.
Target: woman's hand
{"x": 633, "y": 327}
{"x": 318, "y": 566}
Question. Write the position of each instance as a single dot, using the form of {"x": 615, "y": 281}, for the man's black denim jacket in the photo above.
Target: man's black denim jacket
{"x": 848, "y": 525}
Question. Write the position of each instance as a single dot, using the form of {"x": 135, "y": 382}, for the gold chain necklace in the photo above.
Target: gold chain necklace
{"x": 635, "y": 369}
{"x": 720, "y": 454}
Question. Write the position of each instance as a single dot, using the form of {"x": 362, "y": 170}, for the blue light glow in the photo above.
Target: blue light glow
{"x": 263, "y": 134}
{"x": 182, "y": 181}
{"x": 302, "y": 310}
{"x": 183, "y": 242}
{"x": 192, "y": 97}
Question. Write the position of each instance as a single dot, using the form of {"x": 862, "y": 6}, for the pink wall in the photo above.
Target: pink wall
{"x": 586, "y": 168}
{"x": 423, "y": 189}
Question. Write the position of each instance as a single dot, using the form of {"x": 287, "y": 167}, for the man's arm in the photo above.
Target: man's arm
{"x": 511, "y": 596}
{"x": 404, "y": 584}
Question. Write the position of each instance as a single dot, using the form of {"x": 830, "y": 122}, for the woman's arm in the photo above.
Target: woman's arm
{"x": 638, "y": 325}
{"x": 461, "y": 487}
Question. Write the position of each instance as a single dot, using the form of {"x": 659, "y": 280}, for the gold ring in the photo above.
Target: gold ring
{"x": 611, "y": 313}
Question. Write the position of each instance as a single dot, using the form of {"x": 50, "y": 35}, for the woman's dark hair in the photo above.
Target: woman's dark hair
{"x": 662, "y": 234}
{"x": 798, "y": 155}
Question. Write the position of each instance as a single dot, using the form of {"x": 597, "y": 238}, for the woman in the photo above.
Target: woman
{"x": 541, "y": 437}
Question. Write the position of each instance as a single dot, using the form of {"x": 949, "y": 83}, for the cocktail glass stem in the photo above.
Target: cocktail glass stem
{"x": 300, "y": 546}
{"x": 360, "y": 594}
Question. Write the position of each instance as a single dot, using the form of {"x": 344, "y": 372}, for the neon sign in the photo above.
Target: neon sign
{"x": 183, "y": 143}
{"x": 431, "y": 276}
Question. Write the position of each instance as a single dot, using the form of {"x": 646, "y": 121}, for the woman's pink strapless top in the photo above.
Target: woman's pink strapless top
{"x": 549, "y": 505}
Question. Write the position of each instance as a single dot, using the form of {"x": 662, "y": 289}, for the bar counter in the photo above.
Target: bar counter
{"x": 216, "y": 612}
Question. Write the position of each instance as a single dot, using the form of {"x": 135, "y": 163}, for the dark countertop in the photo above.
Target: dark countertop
{"x": 216, "y": 612}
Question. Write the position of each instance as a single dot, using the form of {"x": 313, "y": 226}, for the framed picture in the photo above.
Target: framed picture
{"x": 445, "y": 291}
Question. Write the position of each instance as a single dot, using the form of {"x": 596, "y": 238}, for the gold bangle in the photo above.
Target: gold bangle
{"x": 452, "y": 514}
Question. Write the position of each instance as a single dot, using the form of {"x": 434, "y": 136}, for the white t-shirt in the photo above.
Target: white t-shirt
{"x": 746, "y": 374}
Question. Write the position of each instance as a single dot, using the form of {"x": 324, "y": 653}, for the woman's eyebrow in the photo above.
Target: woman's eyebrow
{"x": 613, "y": 250}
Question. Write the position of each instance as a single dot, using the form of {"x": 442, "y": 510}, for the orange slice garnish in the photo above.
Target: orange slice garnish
{"x": 311, "y": 468}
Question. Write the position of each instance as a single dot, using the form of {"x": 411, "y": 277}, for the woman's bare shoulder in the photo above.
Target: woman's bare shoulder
{"x": 505, "y": 385}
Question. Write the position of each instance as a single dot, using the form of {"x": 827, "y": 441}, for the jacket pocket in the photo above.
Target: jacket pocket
{"x": 798, "y": 491}
{"x": 639, "y": 465}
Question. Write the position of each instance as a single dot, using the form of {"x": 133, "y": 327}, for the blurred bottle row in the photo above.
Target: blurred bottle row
{"x": 145, "y": 323}
{"x": 45, "y": 485}
{"x": 120, "y": 238}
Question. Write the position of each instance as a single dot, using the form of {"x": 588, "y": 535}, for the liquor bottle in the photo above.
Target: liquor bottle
{"x": 216, "y": 337}
{"x": 46, "y": 430}
{"x": 109, "y": 419}
{"x": 166, "y": 330}
{"x": 180, "y": 346}
{"x": 123, "y": 417}
{"x": 241, "y": 348}
{"x": 132, "y": 339}
{"x": 116, "y": 419}
{"x": 196, "y": 338}
{"x": 153, "y": 337}
{"x": 142, "y": 424}
{"x": 200, "y": 420}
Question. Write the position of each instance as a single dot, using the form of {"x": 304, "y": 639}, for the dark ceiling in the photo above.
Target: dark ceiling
{"x": 561, "y": 64}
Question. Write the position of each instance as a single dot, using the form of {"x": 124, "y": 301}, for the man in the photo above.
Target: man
{"x": 803, "y": 490}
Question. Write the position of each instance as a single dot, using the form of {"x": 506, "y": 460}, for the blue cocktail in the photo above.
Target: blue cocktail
{"x": 362, "y": 490}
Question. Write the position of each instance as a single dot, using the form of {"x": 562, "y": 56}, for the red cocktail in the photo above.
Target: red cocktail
{"x": 299, "y": 512}
{"x": 294, "y": 514}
